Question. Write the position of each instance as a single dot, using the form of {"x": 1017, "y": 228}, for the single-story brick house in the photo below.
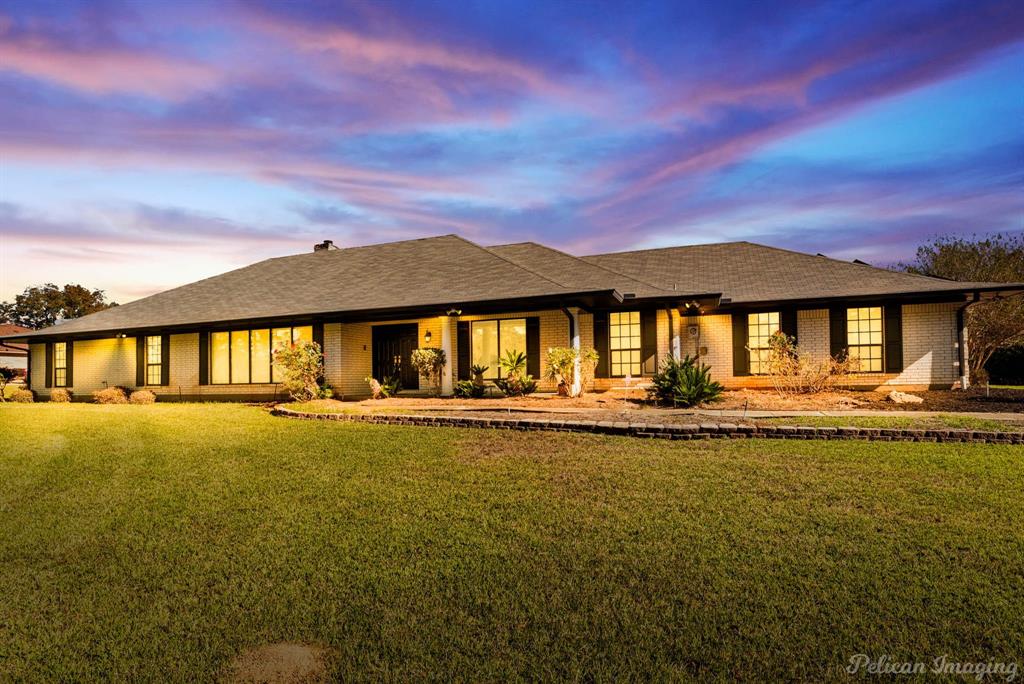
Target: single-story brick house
{"x": 370, "y": 306}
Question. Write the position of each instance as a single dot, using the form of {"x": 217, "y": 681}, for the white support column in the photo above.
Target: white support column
{"x": 447, "y": 378}
{"x": 577, "y": 386}
{"x": 675, "y": 323}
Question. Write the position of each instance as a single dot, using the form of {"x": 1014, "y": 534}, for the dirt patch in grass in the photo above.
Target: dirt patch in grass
{"x": 279, "y": 664}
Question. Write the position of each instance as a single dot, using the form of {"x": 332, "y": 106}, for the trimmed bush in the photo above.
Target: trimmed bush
{"x": 561, "y": 368}
{"x": 142, "y": 397}
{"x": 684, "y": 383}
{"x": 468, "y": 389}
{"x": 110, "y": 395}
{"x": 303, "y": 366}
{"x": 59, "y": 395}
{"x": 23, "y": 396}
{"x": 429, "y": 362}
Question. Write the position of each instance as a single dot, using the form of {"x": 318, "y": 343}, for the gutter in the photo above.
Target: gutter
{"x": 961, "y": 338}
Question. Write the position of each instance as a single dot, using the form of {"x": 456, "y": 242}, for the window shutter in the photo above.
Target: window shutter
{"x": 463, "y": 357}
{"x": 204, "y": 358}
{"x": 787, "y": 322}
{"x": 140, "y": 361}
{"x": 533, "y": 346}
{"x": 837, "y": 341}
{"x": 318, "y": 337}
{"x": 740, "y": 353}
{"x": 69, "y": 360}
{"x": 648, "y": 342}
{"x": 893, "y": 327}
{"x": 48, "y": 370}
{"x": 165, "y": 359}
{"x": 601, "y": 343}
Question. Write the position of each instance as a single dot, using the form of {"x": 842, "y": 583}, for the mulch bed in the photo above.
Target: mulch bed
{"x": 975, "y": 400}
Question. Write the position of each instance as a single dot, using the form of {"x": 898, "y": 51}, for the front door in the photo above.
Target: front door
{"x": 392, "y": 353}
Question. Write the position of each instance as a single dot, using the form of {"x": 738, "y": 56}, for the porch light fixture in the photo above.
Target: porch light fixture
{"x": 426, "y": 337}
{"x": 454, "y": 312}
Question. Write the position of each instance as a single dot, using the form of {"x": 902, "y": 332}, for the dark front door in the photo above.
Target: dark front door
{"x": 392, "y": 353}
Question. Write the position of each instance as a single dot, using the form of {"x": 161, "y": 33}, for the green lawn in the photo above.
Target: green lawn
{"x": 155, "y": 542}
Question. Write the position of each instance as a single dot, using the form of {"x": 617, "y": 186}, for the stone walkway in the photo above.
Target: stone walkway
{"x": 688, "y": 431}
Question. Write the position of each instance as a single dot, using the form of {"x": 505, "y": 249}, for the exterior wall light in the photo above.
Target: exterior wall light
{"x": 426, "y": 337}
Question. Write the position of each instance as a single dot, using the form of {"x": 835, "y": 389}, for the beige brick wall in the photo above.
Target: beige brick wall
{"x": 929, "y": 346}
{"x": 929, "y": 353}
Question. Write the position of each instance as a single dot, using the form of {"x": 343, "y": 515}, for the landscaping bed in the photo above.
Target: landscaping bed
{"x": 973, "y": 400}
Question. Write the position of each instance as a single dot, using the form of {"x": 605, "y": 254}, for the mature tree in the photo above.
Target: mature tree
{"x": 39, "y": 307}
{"x": 992, "y": 324}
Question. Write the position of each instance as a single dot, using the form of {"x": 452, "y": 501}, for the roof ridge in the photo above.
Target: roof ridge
{"x": 519, "y": 266}
{"x": 593, "y": 265}
{"x": 658, "y": 249}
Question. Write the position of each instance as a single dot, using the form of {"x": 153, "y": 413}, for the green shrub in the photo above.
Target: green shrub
{"x": 516, "y": 382}
{"x": 60, "y": 395}
{"x": 111, "y": 395}
{"x": 561, "y": 368}
{"x": 429, "y": 362}
{"x": 23, "y": 396}
{"x": 143, "y": 396}
{"x": 478, "y": 372}
{"x": 469, "y": 389}
{"x": 684, "y": 383}
{"x": 302, "y": 364}
{"x": 7, "y": 374}
{"x": 389, "y": 386}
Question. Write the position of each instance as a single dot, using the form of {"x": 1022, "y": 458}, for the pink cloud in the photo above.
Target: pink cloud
{"x": 102, "y": 70}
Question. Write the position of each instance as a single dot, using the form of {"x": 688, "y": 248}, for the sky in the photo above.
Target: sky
{"x": 144, "y": 145}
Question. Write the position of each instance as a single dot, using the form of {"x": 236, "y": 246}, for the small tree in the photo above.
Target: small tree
{"x": 302, "y": 364}
{"x": 991, "y": 324}
{"x": 6, "y": 375}
{"x": 561, "y": 368}
{"x": 429, "y": 362}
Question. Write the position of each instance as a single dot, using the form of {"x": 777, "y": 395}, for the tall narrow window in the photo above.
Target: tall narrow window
{"x": 760, "y": 327}
{"x": 259, "y": 342}
{"x": 153, "y": 359}
{"x": 624, "y": 343}
{"x": 60, "y": 364}
{"x": 485, "y": 346}
{"x": 280, "y": 339}
{"x": 864, "y": 337}
{"x": 220, "y": 358}
{"x": 239, "y": 357}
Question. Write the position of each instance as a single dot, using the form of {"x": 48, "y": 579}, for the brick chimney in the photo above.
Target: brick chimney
{"x": 325, "y": 245}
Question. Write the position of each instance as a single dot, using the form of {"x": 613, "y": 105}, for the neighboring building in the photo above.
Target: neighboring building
{"x": 369, "y": 307}
{"x": 12, "y": 354}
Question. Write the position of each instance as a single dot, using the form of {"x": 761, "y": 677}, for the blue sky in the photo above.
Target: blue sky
{"x": 144, "y": 145}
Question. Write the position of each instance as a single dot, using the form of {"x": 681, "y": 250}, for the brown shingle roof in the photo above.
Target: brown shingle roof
{"x": 573, "y": 272}
{"x": 429, "y": 271}
{"x": 12, "y": 348}
{"x": 449, "y": 270}
{"x": 746, "y": 272}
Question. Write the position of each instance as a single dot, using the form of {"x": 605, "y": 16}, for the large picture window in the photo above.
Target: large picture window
{"x": 624, "y": 343}
{"x": 60, "y": 364}
{"x": 241, "y": 357}
{"x": 760, "y": 327}
{"x": 491, "y": 340}
{"x": 864, "y": 337}
{"x": 154, "y": 356}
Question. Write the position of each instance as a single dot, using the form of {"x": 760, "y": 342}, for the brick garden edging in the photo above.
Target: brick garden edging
{"x": 689, "y": 431}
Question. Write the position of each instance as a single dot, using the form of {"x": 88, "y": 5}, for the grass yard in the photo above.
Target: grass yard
{"x": 156, "y": 542}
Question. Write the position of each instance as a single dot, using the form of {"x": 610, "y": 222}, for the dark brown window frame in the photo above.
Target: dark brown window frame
{"x": 248, "y": 333}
